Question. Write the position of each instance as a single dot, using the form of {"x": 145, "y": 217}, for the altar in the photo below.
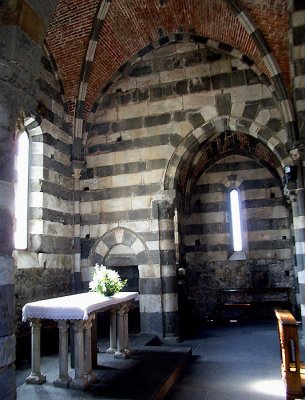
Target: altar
{"x": 78, "y": 310}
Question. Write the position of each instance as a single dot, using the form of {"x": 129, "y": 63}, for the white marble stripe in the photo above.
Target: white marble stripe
{"x": 170, "y": 302}
{"x": 299, "y": 222}
{"x": 133, "y": 155}
{"x": 300, "y": 105}
{"x": 272, "y": 64}
{"x": 45, "y": 200}
{"x": 298, "y": 52}
{"x": 82, "y": 91}
{"x": 298, "y": 18}
{"x": 287, "y": 110}
{"x": 103, "y": 10}
{"x": 299, "y": 81}
{"x": 78, "y": 127}
{"x": 102, "y": 249}
{"x": 91, "y": 50}
{"x": 45, "y": 227}
{"x": 167, "y": 245}
{"x": 137, "y": 246}
{"x": 299, "y": 248}
{"x": 246, "y": 22}
{"x": 150, "y": 303}
{"x": 53, "y": 130}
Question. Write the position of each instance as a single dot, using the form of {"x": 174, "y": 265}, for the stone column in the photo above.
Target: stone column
{"x": 79, "y": 381}
{"x": 297, "y": 54}
{"x": 295, "y": 193}
{"x": 166, "y": 212}
{"x": 23, "y": 33}
{"x": 89, "y": 374}
{"x": 120, "y": 334}
{"x": 77, "y": 281}
{"x": 36, "y": 377}
{"x": 63, "y": 378}
{"x": 112, "y": 332}
{"x": 126, "y": 333}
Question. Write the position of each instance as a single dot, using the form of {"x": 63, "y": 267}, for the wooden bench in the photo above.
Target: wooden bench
{"x": 253, "y": 299}
{"x": 292, "y": 369}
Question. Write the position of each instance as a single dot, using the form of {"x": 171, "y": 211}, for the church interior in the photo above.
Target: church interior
{"x": 141, "y": 122}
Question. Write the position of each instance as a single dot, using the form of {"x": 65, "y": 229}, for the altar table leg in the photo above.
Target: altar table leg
{"x": 126, "y": 333}
{"x": 63, "y": 378}
{"x": 89, "y": 374}
{"x": 122, "y": 342}
{"x": 36, "y": 377}
{"x": 79, "y": 381}
{"x": 112, "y": 344}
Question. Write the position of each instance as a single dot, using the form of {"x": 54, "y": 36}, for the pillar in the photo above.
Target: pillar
{"x": 19, "y": 37}
{"x": 77, "y": 281}
{"x": 295, "y": 192}
{"x": 36, "y": 377}
{"x": 112, "y": 332}
{"x": 79, "y": 381}
{"x": 168, "y": 273}
{"x": 89, "y": 374}
{"x": 63, "y": 378}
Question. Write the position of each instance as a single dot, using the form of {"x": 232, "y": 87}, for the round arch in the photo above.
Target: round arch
{"x": 120, "y": 236}
{"x": 187, "y": 150}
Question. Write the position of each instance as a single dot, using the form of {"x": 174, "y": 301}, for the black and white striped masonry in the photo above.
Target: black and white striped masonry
{"x": 272, "y": 66}
{"x": 85, "y": 71}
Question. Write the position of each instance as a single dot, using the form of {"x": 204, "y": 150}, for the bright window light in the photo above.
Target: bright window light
{"x": 235, "y": 220}
{"x": 21, "y": 192}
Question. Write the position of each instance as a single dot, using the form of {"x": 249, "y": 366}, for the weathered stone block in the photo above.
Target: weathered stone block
{"x": 7, "y": 350}
{"x": 7, "y": 310}
{"x": 8, "y": 383}
{"x": 6, "y": 232}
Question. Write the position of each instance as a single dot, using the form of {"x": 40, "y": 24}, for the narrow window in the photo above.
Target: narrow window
{"x": 235, "y": 220}
{"x": 21, "y": 192}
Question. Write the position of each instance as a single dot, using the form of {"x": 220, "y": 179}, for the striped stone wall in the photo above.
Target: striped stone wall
{"x": 297, "y": 36}
{"x": 22, "y": 33}
{"x": 51, "y": 211}
{"x": 207, "y": 233}
{"x": 147, "y": 124}
{"x": 298, "y": 60}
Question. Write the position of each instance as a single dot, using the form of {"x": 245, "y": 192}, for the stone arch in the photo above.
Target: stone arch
{"x": 171, "y": 39}
{"x": 212, "y": 129}
{"x": 117, "y": 236}
{"x": 271, "y": 64}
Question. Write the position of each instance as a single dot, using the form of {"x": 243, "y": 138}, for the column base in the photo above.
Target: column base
{"x": 80, "y": 383}
{"x": 123, "y": 354}
{"x": 110, "y": 350}
{"x": 62, "y": 382}
{"x": 36, "y": 379}
{"x": 91, "y": 378}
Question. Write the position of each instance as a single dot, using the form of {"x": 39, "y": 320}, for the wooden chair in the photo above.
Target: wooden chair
{"x": 292, "y": 369}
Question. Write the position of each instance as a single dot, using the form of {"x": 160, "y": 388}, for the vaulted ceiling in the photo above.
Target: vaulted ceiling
{"x": 90, "y": 40}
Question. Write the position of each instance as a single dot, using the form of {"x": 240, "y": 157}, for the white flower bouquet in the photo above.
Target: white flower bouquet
{"x": 106, "y": 281}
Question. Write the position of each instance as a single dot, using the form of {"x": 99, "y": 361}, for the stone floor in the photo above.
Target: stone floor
{"x": 239, "y": 361}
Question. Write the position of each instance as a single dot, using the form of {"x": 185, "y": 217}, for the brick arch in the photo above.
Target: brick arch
{"x": 186, "y": 153}
{"x": 120, "y": 235}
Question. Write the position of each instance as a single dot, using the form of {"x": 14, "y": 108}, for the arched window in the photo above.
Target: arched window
{"x": 235, "y": 214}
{"x": 21, "y": 192}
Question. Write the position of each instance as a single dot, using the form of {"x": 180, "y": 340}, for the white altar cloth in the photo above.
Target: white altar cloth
{"x": 73, "y": 307}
